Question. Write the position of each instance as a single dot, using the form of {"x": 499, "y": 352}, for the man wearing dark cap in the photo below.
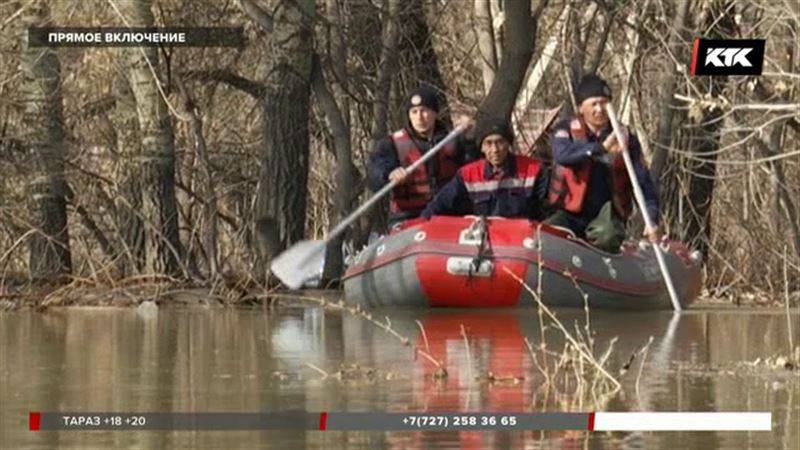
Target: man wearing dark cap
{"x": 500, "y": 184}
{"x": 405, "y": 146}
{"x": 590, "y": 187}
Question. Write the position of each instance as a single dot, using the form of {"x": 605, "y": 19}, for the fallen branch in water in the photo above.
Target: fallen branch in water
{"x": 324, "y": 373}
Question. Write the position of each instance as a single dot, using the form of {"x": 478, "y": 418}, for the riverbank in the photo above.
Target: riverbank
{"x": 231, "y": 292}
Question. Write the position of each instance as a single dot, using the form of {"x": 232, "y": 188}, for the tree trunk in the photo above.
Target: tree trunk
{"x": 485, "y": 34}
{"x": 519, "y": 39}
{"x": 336, "y": 105}
{"x": 128, "y": 201}
{"x": 164, "y": 252}
{"x": 283, "y": 174}
{"x": 663, "y": 141}
{"x": 704, "y": 139}
{"x": 771, "y": 146}
{"x": 334, "y": 262}
{"x": 388, "y": 66}
{"x": 628, "y": 58}
{"x": 209, "y": 229}
{"x": 702, "y": 142}
{"x": 339, "y": 56}
{"x": 498, "y": 13}
{"x": 43, "y": 125}
{"x": 527, "y": 98}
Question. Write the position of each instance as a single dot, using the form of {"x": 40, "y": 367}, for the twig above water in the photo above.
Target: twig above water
{"x": 578, "y": 347}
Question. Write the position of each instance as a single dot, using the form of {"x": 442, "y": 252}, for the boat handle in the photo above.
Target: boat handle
{"x": 464, "y": 266}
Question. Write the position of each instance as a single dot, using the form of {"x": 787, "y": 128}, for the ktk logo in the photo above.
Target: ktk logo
{"x": 732, "y": 57}
{"x": 728, "y": 57}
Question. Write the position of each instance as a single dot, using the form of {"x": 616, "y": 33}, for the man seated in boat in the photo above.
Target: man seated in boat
{"x": 405, "y": 146}
{"x": 501, "y": 184}
{"x": 589, "y": 186}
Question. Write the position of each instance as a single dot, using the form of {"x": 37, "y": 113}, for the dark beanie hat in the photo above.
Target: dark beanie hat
{"x": 592, "y": 86}
{"x": 492, "y": 126}
{"x": 424, "y": 96}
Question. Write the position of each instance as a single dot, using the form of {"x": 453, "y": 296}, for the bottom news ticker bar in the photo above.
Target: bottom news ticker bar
{"x": 399, "y": 421}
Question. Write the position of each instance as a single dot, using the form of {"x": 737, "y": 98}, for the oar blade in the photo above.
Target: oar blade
{"x": 299, "y": 263}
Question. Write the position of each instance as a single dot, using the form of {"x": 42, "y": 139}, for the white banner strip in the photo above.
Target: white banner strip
{"x": 682, "y": 421}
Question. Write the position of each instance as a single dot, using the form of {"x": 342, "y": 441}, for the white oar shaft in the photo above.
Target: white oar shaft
{"x": 639, "y": 196}
{"x": 392, "y": 184}
{"x": 299, "y": 262}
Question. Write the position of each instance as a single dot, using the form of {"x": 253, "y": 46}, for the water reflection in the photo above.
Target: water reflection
{"x": 251, "y": 360}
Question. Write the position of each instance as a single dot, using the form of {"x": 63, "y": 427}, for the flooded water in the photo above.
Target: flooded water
{"x": 207, "y": 360}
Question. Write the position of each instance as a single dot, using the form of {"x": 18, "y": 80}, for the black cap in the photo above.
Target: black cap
{"x": 423, "y": 96}
{"x": 492, "y": 126}
{"x": 592, "y": 86}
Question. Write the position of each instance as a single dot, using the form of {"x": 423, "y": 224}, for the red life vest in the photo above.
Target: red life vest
{"x": 569, "y": 184}
{"x": 417, "y": 191}
{"x": 474, "y": 175}
{"x": 482, "y": 188}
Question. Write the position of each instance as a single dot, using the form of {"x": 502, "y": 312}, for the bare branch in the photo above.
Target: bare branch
{"x": 255, "y": 89}
{"x": 728, "y": 106}
{"x": 537, "y": 11}
{"x": 259, "y": 16}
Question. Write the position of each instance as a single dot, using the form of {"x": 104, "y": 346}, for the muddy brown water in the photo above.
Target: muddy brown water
{"x": 228, "y": 360}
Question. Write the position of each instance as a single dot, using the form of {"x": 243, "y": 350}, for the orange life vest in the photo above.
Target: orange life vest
{"x": 569, "y": 184}
{"x": 418, "y": 189}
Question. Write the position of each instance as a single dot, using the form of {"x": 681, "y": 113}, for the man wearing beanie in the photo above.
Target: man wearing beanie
{"x": 590, "y": 188}
{"x": 501, "y": 184}
{"x": 400, "y": 149}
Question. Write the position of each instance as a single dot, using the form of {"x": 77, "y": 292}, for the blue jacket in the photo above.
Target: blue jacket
{"x": 568, "y": 152}
{"x": 518, "y": 192}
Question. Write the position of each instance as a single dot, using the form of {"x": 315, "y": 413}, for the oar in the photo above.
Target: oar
{"x": 639, "y": 196}
{"x": 303, "y": 260}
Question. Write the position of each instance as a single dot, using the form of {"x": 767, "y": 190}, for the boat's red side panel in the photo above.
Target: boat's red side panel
{"x": 445, "y": 289}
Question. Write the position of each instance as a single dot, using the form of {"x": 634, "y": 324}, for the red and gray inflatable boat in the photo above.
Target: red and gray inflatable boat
{"x": 464, "y": 262}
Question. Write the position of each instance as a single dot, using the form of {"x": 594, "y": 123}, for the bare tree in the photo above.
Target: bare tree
{"x": 283, "y": 175}
{"x": 519, "y": 39}
{"x": 703, "y": 139}
{"x": 209, "y": 229}
{"x": 43, "y": 125}
{"x": 388, "y": 64}
{"x": 164, "y": 252}
{"x": 128, "y": 201}
{"x": 723, "y": 147}
{"x": 336, "y": 106}
{"x": 387, "y": 67}
{"x": 419, "y": 60}
{"x": 771, "y": 145}
{"x": 334, "y": 264}
{"x": 580, "y": 25}
{"x": 663, "y": 139}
